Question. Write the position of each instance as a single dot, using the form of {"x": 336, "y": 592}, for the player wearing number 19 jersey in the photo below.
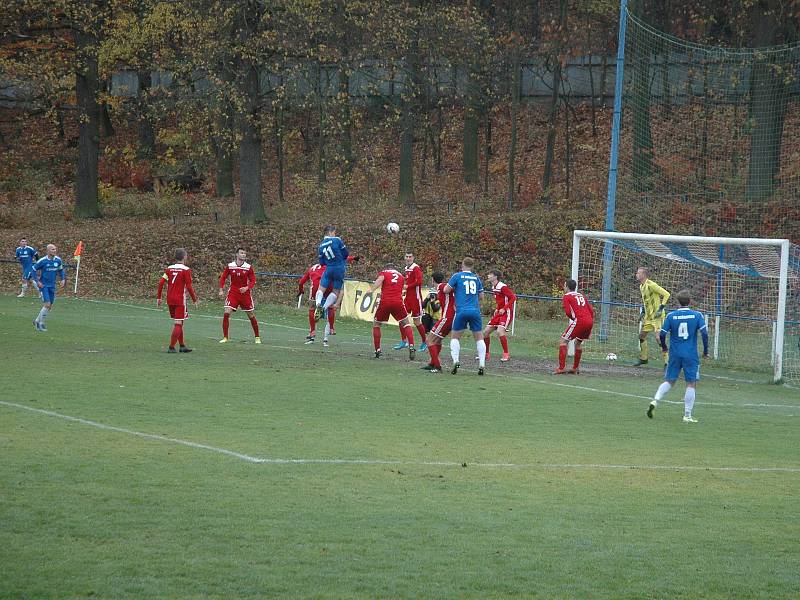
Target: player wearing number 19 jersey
{"x": 390, "y": 281}
{"x": 682, "y": 326}
{"x": 580, "y": 313}
{"x": 178, "y": 278}
{"x": 468, "y": 290}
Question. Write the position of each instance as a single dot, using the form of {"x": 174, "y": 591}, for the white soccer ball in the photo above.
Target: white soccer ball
{"x": 393, "y": 228}
{"x": 611, "y": 356}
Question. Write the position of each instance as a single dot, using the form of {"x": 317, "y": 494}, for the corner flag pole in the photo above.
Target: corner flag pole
{"x": 77, "y": 256}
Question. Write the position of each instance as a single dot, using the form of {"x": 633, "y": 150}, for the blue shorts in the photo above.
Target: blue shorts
{"x": 467, "y": 317}
{"x": 48, "y": 294}
{"x": 332, "y": 276}
{"x": 27, "y": 273}
{"x": 690, "y": 366}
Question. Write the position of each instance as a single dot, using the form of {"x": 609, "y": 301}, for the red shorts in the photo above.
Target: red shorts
{"x": 413, "y": 303}
{"x": 578, "y": 330}
{"x": 503, "y": 320}
{"x": 178, "y": 311}
{"x": 442, "y": 327}
{"x": 396, "y": 309}
{"x": 237, "y": 299}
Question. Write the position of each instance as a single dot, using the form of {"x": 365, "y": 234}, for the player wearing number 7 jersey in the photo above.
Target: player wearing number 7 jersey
{"x": 468, "y": 291}
{"x": 580, "y": 313}
{"x": 178, "y": 278}
{"x": 682, "y": 326}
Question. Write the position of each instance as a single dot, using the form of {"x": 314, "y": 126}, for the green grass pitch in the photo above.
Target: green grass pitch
{"x": 286, "y": 471}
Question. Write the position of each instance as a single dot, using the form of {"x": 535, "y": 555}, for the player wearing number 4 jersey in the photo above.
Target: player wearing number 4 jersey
{"x": 390, "y": 281}
{"x": 682, "y": 326}
{"x": 243, "y": 280}
{"x": 468, "y": 291}
{"x": 178, "y": 278}
{"x": 580, "y": 313}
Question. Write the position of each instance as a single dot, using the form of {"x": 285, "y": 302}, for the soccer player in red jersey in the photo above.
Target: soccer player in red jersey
{"x": 243, "y": 280}
{"x": 581, "y": 319}
{"x": 503, "y": 314}
{"x": 413, "y": 299}
{"x": 178, "y": 278}
{"x": 313, "y": 274}
{"x": 390, "y": 281}
{"x": 443, "y": 326}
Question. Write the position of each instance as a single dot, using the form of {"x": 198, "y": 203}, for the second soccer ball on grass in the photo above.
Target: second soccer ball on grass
{"x": 393, "y": 227}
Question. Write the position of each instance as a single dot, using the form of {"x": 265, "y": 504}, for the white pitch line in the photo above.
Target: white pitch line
{"x": 408, "y": 463}
{"x": 514, "y": 376}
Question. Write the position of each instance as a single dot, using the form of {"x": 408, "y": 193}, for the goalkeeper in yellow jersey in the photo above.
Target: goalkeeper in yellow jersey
{"x": 652, "y": 312}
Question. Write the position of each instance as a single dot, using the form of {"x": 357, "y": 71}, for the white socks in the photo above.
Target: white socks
{"x": 455, "y": 349}
{"x": 42, "y": 315}
{"x": 327, "y": 331}
{"x": 481, "y": 353}
{"x": 688, "y": 401}
{"x": 318, "y": 297}
{"x": 661, "y": 391}
{"x": 329, "y": 300}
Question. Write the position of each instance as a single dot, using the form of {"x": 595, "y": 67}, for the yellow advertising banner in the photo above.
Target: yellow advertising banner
{"x": 358, "y": 303}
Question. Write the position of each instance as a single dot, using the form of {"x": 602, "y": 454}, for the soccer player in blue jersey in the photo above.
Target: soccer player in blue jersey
{"x": 468, "y": 291}
{"x": 26, "y": 255}
{"x": 45, "y": 271}
{"x": 682, "y": 326}
{"x": 333, "y": 254}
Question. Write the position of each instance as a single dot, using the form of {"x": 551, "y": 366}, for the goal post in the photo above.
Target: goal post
{"x": 740, "y": 284}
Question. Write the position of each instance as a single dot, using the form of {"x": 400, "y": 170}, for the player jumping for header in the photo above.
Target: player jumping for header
{"x": 49, "y": 266}
{"x": 682, "y": 326}
{"x": 333, "y": 254}
{"x": 178, "y": 278}
{"x": 243, "y": 280}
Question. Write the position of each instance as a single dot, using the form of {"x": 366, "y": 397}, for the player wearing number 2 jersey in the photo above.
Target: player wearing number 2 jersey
{"x": 682, "y": 326}
{"x": 468, "y": 291}
{"x": 581, "y": 319}
{"x": 178, "y": 278}
{"x": 390, "y": 281}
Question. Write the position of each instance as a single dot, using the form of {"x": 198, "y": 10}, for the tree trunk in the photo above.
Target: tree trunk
{"x": 147, "y": 137}
{"x": 408, "y": 99}
{"x": 347, "y": 121}
{"x": 225, "y": 125}
{"x": 322, "y": 170}
{"x": 470, "y": 139}
{"x": 106, "y": 127}
{"x": 279, "y": 151}
{"x": 487, "y": 150}
{"x": 251, "y": 204}
{"x": 87, "y": 87}
{"x": 549, "y": 152}
{"x": 512, "y": 146}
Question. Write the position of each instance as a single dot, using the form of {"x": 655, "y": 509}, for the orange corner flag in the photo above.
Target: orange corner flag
{"x": 78, "y": 249}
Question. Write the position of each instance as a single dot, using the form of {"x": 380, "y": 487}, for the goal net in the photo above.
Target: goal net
{"x": 749, "y": 290}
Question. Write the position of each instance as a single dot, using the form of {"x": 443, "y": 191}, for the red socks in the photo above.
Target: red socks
{"x": 562, "y": 356}
{"x": 503, "y": 343}
{"x": 331, "y": 315}
{"x": 421, "y": 330}
{"x": 226, "y": 321}
{"x": 410, "y": 335}
{"x": 577, "y": 359}
{"x": 311, "y": 322}
{"x": 177, "y": 335}
{"x": 434, "y": 350}
{"x": 376, "y": 337}
{"x": 254, "y": 323}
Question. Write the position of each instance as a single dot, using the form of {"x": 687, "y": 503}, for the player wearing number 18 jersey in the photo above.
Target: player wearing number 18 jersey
{"x": 468, "y": 290}
{"x": 178, "y": 278}
{"x": 580, "y": 313}
{"x": 390, "y": 281}
{"x": 682, "y": 326}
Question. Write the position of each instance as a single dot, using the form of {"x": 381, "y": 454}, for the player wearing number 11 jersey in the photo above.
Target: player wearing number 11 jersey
{"x": 581, "y": 320}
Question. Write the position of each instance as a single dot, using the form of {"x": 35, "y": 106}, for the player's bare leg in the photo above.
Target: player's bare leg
{"x": 576, "y": 361}
{"x": 251, "y": 314}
